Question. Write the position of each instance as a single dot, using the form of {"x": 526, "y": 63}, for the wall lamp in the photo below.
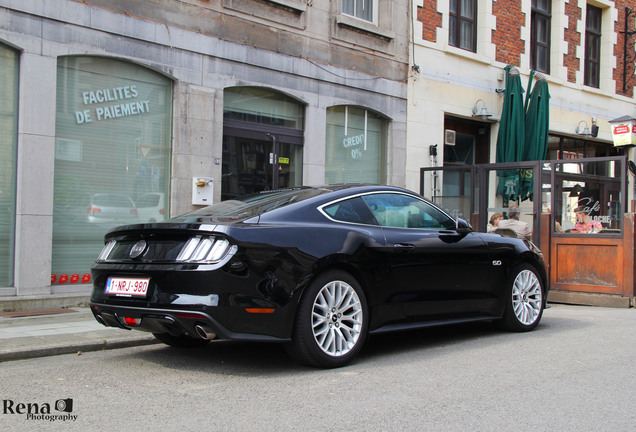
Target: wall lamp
{"x": 483, "y": 112}
{"x": 585, "y": 132}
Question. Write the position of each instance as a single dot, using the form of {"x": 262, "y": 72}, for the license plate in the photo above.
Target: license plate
{"x": 127, "y": 286}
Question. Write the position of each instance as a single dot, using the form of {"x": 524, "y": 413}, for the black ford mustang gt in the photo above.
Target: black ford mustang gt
{"x": 317, "y": 268}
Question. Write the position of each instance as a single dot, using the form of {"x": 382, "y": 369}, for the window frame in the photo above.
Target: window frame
{"x": 539, "y": 14}
{"x": 9, "y": 153}
{"x": 593, "y": 39}
{"x": 561, "y": 175}
{"x": 356, "y": 15}
{"x": 454, "y": 38}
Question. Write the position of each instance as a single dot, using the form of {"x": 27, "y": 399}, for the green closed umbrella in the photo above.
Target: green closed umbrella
{"x": 537, "y": 122}
{"x": 536, "y": 128}
{"x": 511, "y": 135}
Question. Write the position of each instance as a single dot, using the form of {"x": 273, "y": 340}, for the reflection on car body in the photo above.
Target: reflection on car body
{"x": 315, "y": 268}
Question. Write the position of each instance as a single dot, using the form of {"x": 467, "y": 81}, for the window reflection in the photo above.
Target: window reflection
{"x": 589, "y": 197}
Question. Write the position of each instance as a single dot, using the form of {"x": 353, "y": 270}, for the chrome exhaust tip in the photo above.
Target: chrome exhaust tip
{"x": 204, "y": 332}
{"x": 100, "y": 320}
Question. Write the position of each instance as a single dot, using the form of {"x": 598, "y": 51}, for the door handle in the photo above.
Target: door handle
{"x": 404, "y": 247}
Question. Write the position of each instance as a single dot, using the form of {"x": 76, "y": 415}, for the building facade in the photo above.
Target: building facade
{"x": 464, "y": 53}
{"x": 461, "y": 49}
{"x": 131, "y": 111}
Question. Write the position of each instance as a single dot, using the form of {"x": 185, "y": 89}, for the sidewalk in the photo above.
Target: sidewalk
{"x": 47, "y": 333}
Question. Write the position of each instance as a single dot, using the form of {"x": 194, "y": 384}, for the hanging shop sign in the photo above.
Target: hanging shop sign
{"x": 623, "y": 131}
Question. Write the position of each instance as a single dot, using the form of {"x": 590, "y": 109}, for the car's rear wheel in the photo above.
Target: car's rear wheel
{"x": 182, "y": 341}
{"x": 331, "y": 323}
{"x": 524, "y": 303}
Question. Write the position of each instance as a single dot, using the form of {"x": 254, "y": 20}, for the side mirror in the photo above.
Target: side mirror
{"x": 463, "y": 226}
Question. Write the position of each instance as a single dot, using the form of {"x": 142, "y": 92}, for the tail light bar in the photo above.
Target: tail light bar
{"x": 201, "y": 249}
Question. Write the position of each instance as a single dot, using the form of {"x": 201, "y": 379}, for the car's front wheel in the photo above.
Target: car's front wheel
{"x": 331, "y": 322}
{"x": 524, "y": 302}
{"x": 182, "y": 341}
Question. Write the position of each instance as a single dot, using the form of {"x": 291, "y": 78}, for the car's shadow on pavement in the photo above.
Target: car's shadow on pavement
{"x": 258, "y": 359}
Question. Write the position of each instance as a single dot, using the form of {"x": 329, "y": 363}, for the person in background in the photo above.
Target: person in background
{"x": 494, "y": 220}
{"x": 557, "y": 224}
{"x": 584, "y": 223}
{"x": 522, "y": 229}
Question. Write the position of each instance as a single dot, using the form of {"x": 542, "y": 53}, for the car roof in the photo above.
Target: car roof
{"x": 280, "y": 201}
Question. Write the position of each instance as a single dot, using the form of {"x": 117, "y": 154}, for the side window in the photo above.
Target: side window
{"x": 352, "y": 210}
{"x": 403, "y": 211}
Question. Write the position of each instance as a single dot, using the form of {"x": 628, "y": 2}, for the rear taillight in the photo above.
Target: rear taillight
{"x": 108, "y": 248}
{"x": 204, "y": 250}
{"x": 162, "y": 211}
{"x": 93, "y": 210}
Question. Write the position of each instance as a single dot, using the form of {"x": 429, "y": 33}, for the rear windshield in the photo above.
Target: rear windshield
{"x": 252, "y": 205}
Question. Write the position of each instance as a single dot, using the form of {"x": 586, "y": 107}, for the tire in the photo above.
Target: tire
{"x": 331, "y": 321}
{"x": 183, "y": 341}
{"x": 524, "y": 300}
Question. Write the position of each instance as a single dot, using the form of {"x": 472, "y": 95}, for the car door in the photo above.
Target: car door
{"x": 435, "y": 269}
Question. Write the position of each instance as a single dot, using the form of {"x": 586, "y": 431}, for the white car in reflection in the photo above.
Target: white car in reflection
{"x": 151, "y": 207}
{"x": 112, "y": 209}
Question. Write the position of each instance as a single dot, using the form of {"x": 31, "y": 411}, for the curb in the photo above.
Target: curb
{"x": 71, "y": 349}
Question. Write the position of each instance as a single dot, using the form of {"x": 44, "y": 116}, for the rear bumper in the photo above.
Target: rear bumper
{"x": 173, "y": 321}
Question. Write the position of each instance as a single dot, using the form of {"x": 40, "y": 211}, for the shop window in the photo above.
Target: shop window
{"x": 589, "y": 196}
{"x": 8, "y": 144}
{"x": 356, "y": 146}
{"x": 112, "y": 157}
{"x": 540, "y": 35}
{"x": 462, "y": 20}
{"x": 566, "y": 147}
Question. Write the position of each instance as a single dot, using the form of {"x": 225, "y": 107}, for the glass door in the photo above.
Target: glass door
{"x": 252, "y": 165}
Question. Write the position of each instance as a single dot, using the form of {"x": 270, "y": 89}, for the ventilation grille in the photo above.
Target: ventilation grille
{"x": 449, "y": 137}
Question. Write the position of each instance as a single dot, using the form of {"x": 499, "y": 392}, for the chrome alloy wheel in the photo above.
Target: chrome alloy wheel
{"x": 527, "y": 297}
{"x": 336, "y": 320}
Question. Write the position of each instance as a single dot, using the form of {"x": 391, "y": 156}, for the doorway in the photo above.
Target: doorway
{"x": 258, "y": 161}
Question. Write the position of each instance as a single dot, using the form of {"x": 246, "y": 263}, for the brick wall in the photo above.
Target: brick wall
{"x": 625, "y": 86}
{"x": 573, "y": 39}
{"x": 507, "y": 35}
{"x": 509, "y": 46}
{"x": 431, "y": 20}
